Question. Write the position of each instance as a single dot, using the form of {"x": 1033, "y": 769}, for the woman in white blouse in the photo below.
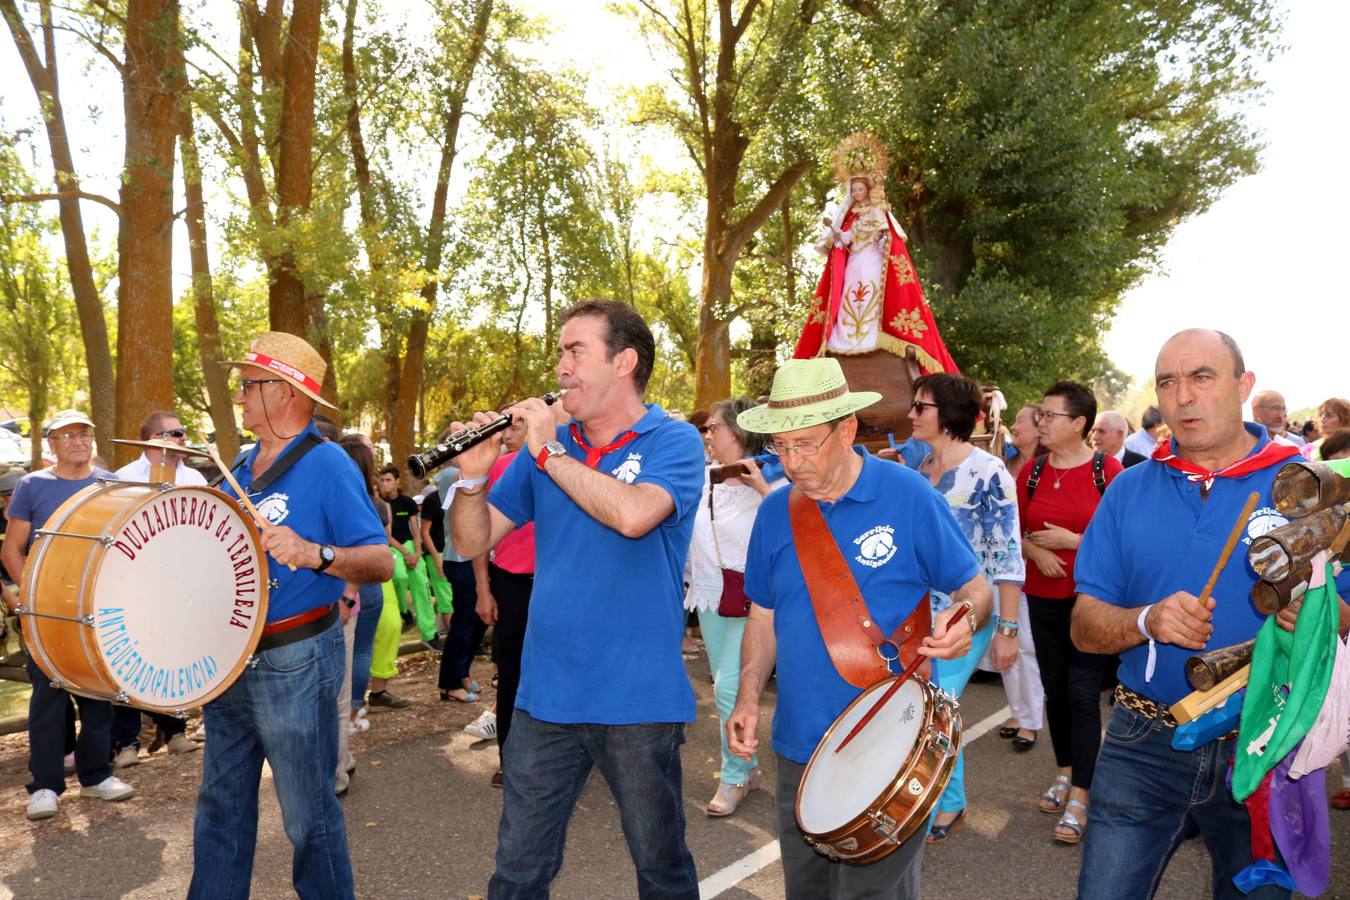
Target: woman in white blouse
{"x": 722, "y": 526}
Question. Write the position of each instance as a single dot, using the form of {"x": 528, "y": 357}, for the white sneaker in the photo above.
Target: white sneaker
{"x": 70, "y": 763}
{"x": 110, "y": 788}
{"x": 180, "y": 743}
{"x": 200, "y": 734}
{"x": 42, "y": 805}
{"x": 129, "y": 755}
{"x": 484, "y": 727}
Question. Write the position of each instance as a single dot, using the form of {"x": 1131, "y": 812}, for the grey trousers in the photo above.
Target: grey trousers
{"x": 811, "y": 876}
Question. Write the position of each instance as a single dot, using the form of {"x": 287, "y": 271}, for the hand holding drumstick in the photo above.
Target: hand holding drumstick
{"x": 278, "y": 541}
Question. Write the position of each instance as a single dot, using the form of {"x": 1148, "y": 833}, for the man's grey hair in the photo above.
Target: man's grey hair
{"x": 1116, "y": 421}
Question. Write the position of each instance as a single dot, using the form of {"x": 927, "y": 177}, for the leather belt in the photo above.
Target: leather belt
{"x": 298, "y": 627}
{"x": 1147, "y": 708}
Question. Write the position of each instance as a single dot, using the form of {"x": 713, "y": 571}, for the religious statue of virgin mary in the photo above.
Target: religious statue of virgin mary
{"x": 869, "y": 296}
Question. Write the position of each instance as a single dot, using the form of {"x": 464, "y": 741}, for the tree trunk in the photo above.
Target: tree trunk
{"x": 410, "y": 382}
{"x": 93, "y": 326}
{"x": 37, "y": 412}
{"x": 287, "y": 304}
{"x": 712, "y": 363}
{"x": 203, "y": 294}
{"x": 145, "y": 240}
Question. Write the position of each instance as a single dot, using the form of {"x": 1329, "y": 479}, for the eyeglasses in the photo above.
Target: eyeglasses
{"x": 804, "y": 448}
{"x": 83, "y": 437}
{"x": 919, "y": 406}
{"x": 1048, "y": 414}
{"x": 709, "y": 428}
{"x": 250, "y": 382}
{"x": 172, "y": 433}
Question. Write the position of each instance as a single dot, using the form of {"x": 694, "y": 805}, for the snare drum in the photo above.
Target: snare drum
{"x": 862, "y": 803}
{"x": 149, "y": 595}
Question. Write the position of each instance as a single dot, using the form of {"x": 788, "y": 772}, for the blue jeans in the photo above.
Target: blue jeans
{"x": 952, "y": 676}
{"x": 372, "y": 604}
{"x": 280, "y": 710}
{"x": 1146, "y": 799}
{"x": 545, "y": 769}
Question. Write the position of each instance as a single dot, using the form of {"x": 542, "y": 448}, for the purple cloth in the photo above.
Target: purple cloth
{"x": 1301, "y": 827}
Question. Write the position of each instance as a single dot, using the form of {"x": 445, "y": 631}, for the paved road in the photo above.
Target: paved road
{"x": 422, "y": 817}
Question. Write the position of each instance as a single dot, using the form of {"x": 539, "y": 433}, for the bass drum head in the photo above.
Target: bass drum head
{"x": 836, "y": 789}
{"x": 179, "y": 599}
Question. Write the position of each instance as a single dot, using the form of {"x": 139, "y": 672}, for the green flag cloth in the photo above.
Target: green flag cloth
{"x": 1288, "y": 684}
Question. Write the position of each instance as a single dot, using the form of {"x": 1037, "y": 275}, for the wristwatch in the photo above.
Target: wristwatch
{"x": 1008, "y": 627}
{"x": 326, "y": 556}
{"x": 549, "y": 450}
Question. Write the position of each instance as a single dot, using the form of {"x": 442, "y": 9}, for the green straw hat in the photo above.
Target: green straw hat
{"x": 805, "y": 392}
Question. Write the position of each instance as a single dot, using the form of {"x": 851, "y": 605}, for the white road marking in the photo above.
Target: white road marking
{"x": 727, "y": 878}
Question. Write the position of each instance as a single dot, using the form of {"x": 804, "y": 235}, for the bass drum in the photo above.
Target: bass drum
{"x": 146, "y": 595}
{"x": 862, "y": 803}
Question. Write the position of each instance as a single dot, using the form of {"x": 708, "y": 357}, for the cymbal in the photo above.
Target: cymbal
{"x": 161, "y": 444}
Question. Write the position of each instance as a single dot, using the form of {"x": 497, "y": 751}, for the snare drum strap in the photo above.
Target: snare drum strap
{"x": 851, "y": 634}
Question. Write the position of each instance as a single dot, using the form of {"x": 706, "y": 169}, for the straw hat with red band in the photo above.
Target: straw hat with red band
{"x": 290, "y": 357}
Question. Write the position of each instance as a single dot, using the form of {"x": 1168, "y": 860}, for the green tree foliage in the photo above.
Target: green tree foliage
{"x": 40, "y": 356}
{"x": 1044, "y": 154}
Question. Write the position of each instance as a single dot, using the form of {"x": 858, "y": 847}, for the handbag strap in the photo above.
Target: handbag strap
{"x": 852, "y": 637}
{"x": 712, "y": 522}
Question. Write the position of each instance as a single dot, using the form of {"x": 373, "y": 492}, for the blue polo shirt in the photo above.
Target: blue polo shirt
{"x": 899, "y": 539}
{"x": 1155, "y": 534}
{"x": 606, "y": 614}
{"x": 322, "y": 499}
{"x": 41, "y": 493}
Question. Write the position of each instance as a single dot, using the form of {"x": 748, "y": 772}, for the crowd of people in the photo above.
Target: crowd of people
{"x": 595, "y": 532}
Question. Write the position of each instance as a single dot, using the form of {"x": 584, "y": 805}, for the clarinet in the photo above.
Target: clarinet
{"x": 419, "y": 464}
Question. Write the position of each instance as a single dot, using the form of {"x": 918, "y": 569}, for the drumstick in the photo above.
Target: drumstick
{"x": 258, "y": 517}
{"x": 876, "y": 707}
{"x": 1238, "y": 527}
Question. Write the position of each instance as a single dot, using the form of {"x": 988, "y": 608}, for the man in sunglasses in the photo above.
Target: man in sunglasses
{"x": 160, "y": 425}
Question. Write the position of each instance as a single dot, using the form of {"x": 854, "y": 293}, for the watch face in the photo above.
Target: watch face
{"x": 326, "y": 552}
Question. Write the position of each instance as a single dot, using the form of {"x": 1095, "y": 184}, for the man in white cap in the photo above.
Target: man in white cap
{"x": 898, "y": 540}
{"x": 164, "y": 427}
{"x": 323, "y": 531}
{"x": 70, "y": 437}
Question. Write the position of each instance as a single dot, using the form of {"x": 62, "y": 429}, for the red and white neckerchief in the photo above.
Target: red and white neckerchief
{"x": 1269, "y": 455}
{"x": 593, "y": 454}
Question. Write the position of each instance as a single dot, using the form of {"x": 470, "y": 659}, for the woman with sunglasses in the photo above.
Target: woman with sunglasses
{"x": 721, "y": 536}
{"x": 1057, "y": 495}
{"x": 982, "y": 499}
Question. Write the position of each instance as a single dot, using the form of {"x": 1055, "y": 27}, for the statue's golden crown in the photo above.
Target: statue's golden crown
{"x": 861, "y": 155}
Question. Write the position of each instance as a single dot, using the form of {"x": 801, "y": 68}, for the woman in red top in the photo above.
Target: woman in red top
{"x": 1054, "y": 514}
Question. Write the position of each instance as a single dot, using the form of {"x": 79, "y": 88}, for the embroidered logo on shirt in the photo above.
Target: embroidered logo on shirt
{"x": 876, "y": 546}
{"x": 629, "y": 469}
{"x": 274, "y": 509}
{"x": 1262, "y": 522}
